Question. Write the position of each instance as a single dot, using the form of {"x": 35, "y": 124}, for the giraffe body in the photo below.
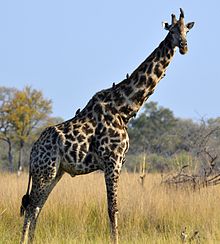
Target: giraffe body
{"x": 96, "y": 138}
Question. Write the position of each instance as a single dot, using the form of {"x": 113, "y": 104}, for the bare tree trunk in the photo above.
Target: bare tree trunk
{"x": 10, "y": 156}
{"x": 20, "y": 158}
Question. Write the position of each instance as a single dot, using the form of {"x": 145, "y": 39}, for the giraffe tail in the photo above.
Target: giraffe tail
{"x": 26, "y": 198}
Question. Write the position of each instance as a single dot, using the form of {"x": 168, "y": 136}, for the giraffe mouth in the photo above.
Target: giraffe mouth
{"x": 183, "y": 47}
{"x": 183, "y": 50}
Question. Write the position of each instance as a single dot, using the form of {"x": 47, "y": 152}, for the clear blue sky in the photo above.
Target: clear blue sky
{"x": 72, "y": 49}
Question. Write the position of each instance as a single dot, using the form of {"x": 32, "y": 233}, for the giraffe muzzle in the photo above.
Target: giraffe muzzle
{"x": 183, "y": 47}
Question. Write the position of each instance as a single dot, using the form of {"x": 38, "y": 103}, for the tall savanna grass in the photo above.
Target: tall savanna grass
{"x": 76, "y": 211}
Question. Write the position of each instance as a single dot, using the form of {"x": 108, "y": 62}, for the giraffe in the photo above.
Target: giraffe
{"x": 96, "y": 138}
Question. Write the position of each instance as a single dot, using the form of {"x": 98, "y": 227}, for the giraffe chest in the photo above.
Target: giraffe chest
{"x": 77, "y": 141}
{"x": 111, "y": 142}
{"x": 77, "y": 156}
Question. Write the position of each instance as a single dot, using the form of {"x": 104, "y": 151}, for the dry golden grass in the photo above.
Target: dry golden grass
{"x": 76, "y": 211}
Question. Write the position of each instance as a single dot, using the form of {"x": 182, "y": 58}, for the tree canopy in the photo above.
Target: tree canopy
{"x": 147, "y": 131}
{"x": 26, "y": 110}
{"x": 21, "y": 112}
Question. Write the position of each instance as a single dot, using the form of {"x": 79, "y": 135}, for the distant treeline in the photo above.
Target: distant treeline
{"x": 166, "y": 142}
{"x": 157, "y": 137}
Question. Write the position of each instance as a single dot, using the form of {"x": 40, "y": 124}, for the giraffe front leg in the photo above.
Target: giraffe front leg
{"x": 111, "y": 179}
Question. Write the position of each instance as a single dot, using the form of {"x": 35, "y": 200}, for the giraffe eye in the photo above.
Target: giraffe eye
{"x": 183, "y": 43}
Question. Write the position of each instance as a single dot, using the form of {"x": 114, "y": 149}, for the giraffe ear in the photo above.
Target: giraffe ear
{"x": 190, "y": 25}
{"x": 165, "y": 25}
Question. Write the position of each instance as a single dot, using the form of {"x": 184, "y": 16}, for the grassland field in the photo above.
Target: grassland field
{"x": 76, "y": 211}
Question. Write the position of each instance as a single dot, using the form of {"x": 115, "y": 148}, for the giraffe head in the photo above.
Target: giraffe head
{"x": 178, "y": 30}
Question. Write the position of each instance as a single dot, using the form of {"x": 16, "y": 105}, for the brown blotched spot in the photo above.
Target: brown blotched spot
{"x": 111, "y": 132}
{"x": 164, "y": 63}
{"x": 135, "y": 77}
{"x": 157, "y": 55}
{"x": 67, "y": 145}
{"x": 142, "y": 81}
{"x": 128, "y": 90}
{"x": 163, "y": 51}
{"x": 81, "y": 155}
{"x": 171, "y": 52}
{"x": 104, "y": 140}
{"x": 88, "y": 159}
{"x": 75, "y": 133}
{"x": 73, "y": 155}
{"x": 98, "y": 108}
{"x": 143, "y": 68}
{"x": 138, "y": 96}
{"x": 87, "y": 129}
{"x": 120, "y": 150}
{"x": 48, "y": 146}
{"x": 70, "y": 137}
{"x": 150, "y": 58}
{"x": 158, "y": 71}
{"x": 115, "y": 140}
{"x": 151, "y": 83}
{"x": 76, "y": 126}
{"x": 66, "y": 129}
{"x": 80, "y": 138}
{"x": 125, "y": 110}
{"x": 83, "y": 147}
{"x": 120, "y": 99}
{"x": 108, "y": 117}
{"x": 149, "y": 70}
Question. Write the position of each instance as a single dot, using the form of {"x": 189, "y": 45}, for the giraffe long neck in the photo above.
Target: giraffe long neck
{"x": 130, "y": 94}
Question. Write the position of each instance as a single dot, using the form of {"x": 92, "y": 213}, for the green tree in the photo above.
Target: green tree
{"x": 27, "y": 110}
{"x": 147, "y": 130}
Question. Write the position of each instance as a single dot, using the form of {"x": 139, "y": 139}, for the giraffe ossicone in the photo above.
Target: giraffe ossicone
{"x": 96, "y": 138}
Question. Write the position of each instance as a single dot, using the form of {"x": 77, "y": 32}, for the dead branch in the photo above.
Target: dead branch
{"x": 207, "y": 175}
{"x": 3, "y": 212}
{"x": 196, "y": 181}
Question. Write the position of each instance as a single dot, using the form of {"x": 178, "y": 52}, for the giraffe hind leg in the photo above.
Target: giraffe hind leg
{"x": 37, "y": 200}
{"x": 30, "y": 219}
